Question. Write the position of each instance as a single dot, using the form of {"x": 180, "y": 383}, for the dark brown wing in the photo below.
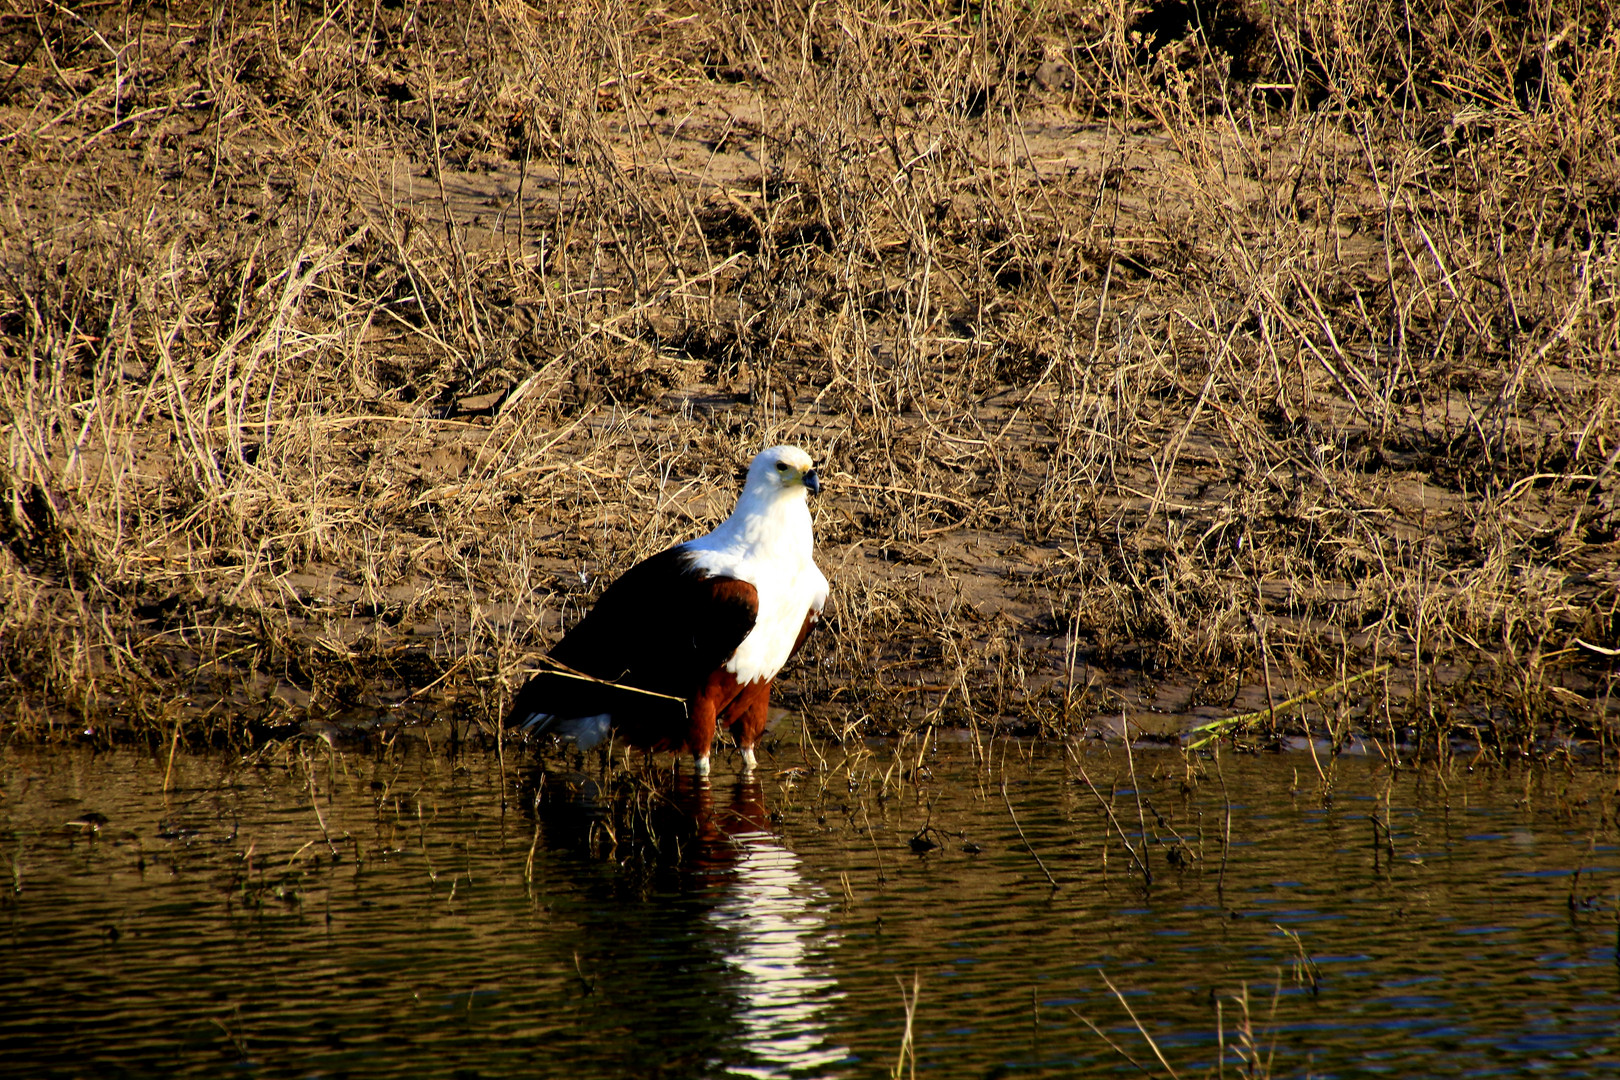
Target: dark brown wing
{"x": 664, "y": 626}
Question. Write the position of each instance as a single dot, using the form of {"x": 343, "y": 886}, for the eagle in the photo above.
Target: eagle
{"x": 691, "y": 638}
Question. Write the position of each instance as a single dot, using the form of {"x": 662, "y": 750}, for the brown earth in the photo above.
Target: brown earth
{"x": 1157, "y": 369}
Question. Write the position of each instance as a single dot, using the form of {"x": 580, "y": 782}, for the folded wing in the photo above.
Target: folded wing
{"x": 643, "y": 651}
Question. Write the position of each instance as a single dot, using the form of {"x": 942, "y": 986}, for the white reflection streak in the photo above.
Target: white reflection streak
{"x": 774, "y": 919}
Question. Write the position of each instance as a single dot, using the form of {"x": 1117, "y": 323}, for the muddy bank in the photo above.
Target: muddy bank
{"x": 1154, "y": 368}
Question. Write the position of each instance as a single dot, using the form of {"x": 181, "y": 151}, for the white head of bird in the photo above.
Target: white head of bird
{"x": 771, "y": 511}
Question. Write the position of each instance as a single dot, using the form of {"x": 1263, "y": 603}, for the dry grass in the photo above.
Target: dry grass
{"x": 1156, "y": 365}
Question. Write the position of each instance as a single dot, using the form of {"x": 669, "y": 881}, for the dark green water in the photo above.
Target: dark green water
{"x": 211, "y": 930}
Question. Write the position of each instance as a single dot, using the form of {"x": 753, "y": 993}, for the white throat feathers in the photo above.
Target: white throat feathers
{"x": 767, "y": 542}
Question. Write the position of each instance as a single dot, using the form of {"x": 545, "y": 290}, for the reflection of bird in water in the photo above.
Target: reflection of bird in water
{"x": 774, "y": 923}
{"x": 750, "y": 921}
{"x": 691, "y": 639}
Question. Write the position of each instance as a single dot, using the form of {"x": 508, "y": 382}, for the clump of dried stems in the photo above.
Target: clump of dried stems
{"x": 1158, "y": 356}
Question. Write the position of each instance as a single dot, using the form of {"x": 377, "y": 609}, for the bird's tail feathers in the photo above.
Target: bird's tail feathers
{"x": 562, "y": 701}
{"x": 586, "y": 731}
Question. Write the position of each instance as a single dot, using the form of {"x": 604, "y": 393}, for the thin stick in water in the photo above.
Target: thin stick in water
{"x": 1050, "y": 879}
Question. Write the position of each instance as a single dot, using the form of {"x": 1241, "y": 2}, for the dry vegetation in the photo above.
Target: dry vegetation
{"x": 1161, "y": 358}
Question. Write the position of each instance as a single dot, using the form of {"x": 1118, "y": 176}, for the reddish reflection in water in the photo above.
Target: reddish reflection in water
{"x": 767, "y": 924}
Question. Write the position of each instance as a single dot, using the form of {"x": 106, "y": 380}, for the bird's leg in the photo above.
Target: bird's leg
{"x": 751, "y": 721}
{"x": 700, "y": 740}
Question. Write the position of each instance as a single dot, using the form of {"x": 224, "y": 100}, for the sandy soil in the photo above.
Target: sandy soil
{"x": 345, "y": 360}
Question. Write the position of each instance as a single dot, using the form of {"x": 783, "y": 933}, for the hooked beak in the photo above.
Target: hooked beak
{"x": 812, "y": 482}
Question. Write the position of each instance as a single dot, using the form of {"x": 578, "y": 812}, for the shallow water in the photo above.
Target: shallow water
{"x": 358, "y": 914}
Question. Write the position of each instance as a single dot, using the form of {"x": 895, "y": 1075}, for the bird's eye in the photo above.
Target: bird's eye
{"x": 781, "y": 466}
